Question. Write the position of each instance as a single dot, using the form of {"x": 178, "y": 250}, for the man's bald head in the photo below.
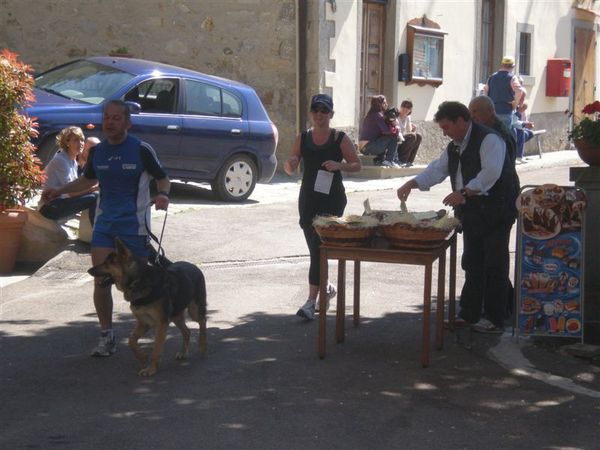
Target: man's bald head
{"x": 482, "y": 110}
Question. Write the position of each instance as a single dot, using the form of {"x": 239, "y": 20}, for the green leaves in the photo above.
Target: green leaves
{"x": 21, "y": 173}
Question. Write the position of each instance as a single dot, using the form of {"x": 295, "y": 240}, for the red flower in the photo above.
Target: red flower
{"x": 591, "y": 108}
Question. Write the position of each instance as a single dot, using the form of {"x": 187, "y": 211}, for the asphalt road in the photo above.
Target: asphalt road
{"x": 261, "y": 385}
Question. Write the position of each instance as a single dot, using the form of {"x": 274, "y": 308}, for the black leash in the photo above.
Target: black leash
{"x": 159, "y": 255}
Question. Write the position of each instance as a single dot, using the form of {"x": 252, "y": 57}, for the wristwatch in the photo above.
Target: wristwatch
{"x": 463, "y": 192}
{"x": 165, "y": 193}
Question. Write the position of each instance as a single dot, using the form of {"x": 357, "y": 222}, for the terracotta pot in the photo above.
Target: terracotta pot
{"x": 11, "y": 227}
{"x": 588, "y": 153}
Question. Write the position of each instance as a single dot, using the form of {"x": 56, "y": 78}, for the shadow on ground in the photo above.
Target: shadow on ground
{"x": 262, "y": 385}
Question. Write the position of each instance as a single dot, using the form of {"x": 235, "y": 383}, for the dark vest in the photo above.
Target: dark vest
{"x": 499, "y": 204}
{"x": 501, "y": 92}
{"x": 508, "y": 137}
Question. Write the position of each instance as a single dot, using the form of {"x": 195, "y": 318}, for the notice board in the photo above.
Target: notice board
{"x": 550, "y": 259}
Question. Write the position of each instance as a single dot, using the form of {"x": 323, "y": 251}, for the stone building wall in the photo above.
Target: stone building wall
{"x": 252, "y": 41}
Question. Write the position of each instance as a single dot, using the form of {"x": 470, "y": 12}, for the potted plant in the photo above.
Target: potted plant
{"x": 586, "y": 134}
{"x": 21, "y": 174}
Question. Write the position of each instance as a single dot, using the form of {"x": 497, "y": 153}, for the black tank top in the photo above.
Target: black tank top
{"x": 311, "y": 203}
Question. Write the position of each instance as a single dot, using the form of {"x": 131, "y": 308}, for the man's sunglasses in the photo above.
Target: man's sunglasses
{"x": 320, "y": 110}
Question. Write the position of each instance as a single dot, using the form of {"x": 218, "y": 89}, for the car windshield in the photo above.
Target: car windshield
{"x": 85, "y": 81}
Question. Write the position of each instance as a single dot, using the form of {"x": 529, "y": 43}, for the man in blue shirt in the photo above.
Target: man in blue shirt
{"x": 123, "y": 166}
{"x": 502, "y": 87}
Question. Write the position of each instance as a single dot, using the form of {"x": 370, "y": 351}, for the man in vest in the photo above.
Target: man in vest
{"x": 501, "y": 87}
{"x": 485, "y": 186}
{"x": 483, "y": 112}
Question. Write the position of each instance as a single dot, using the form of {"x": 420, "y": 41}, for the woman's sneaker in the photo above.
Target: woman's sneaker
{"x": 331, "y": 293}
{"x": 107, "y": 345}
{"x": 307, "y": 311}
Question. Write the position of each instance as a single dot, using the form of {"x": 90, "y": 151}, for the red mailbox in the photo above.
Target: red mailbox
{"x": 558, "y": 77}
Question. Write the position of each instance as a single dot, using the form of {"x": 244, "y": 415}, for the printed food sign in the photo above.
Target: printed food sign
{"x": 549, "y": 261}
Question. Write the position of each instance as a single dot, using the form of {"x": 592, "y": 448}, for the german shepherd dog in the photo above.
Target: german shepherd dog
{"x": 157, "y": 296}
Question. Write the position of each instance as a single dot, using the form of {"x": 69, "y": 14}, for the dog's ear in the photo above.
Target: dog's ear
{"x": 123, "y": 253}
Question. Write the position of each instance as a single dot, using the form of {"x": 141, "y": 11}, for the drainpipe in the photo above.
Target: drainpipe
{"x": 301, "y": 12}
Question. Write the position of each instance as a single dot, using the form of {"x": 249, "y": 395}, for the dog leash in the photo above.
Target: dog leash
{"x": 160, "y": 253}
{"x": 162, "y": 231}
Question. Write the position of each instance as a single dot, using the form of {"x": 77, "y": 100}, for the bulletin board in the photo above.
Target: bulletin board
{"x": 550, "y": 259}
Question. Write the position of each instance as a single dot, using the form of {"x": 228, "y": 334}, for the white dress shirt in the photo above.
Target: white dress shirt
{"x": 492, "y": 154}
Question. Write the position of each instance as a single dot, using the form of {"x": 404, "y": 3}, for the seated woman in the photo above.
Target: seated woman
{"x": 381, "y": 141}
{"x": 61, "y": 170}
{"x": 411, "y": 140}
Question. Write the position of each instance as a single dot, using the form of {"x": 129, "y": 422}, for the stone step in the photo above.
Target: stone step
{"x": 376, "y": 172}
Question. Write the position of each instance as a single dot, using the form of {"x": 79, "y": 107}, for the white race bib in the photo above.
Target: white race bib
{"x": 323, "y": 181}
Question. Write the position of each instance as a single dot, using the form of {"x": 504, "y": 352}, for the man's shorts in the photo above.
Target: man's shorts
{"x": 138, "y": 245}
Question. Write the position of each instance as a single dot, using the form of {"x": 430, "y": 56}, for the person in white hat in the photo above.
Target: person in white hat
{"x": 502, "y": 87}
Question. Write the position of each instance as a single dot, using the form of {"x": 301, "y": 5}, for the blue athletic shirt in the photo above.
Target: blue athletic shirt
{"x": 124, "y": 172}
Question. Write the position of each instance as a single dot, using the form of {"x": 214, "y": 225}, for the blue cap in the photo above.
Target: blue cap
{"x": 323, "y": 100}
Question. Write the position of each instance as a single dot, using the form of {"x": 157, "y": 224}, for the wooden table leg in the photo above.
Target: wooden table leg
{"x": 356, "y": 292}
{"x": 341, "y": 302}
{"x": 452, "y": 285}
{"x": 323, "y": 302}
{"x": 426, "y": 316}
{"x": 439, "y": 313}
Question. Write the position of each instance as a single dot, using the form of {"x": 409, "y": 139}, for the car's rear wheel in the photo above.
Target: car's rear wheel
{"x": 47, "y": 149}
{"x": 236, "y": 179}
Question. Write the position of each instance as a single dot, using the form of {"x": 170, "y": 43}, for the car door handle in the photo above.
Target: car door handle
{"x": 236, "y": 131}
{"x": 172, "y": 127}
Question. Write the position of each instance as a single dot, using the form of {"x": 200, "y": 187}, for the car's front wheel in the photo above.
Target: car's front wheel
{"x": 236, "y": 179}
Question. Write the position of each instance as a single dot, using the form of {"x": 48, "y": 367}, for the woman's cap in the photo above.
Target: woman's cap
{"x": 322, "y": 99}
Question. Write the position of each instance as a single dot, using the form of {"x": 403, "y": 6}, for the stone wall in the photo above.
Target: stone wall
{"x": 252, "y": 41}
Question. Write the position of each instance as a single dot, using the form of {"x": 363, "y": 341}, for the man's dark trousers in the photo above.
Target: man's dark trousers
{"x": 485, "y": 261}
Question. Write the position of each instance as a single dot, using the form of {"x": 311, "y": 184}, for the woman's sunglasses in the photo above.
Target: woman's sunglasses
{"x": 319, "y": 110}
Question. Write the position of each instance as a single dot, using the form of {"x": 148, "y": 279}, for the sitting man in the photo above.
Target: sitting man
{"x": 410, "y": 140}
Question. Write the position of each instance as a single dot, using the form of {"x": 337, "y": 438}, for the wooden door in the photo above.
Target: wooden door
{"x": 486, "y": 49}
{"x": 584, "y": 81}
{"x": 371, "y": 78}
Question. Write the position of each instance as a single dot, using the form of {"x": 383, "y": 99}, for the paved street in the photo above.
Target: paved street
{"x": 261, "y": 385}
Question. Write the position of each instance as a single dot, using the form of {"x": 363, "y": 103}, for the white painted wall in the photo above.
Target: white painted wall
{"x": 457, "y": 18}
{"x": 552, "y": 33}
{"x": 344, "y": 51}
{"x": 551, "y": 20}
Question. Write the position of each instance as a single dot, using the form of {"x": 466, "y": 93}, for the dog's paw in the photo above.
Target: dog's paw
{"x": 147, "y": 371}
{"x": 181, "y": 356}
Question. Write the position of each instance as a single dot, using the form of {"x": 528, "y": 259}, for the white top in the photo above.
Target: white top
{"x": 60, "y": 170}
{"x": 405, "y": 125}
{"x": 492, "y": 153}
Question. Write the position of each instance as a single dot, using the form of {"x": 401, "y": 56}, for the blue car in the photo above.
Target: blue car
{"x": 203, "y": 128}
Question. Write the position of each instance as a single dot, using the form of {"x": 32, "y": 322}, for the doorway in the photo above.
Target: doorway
{"x": 584, "y": 63}
{"x": 491, "y": 37}
{"x": 371, "y": 74}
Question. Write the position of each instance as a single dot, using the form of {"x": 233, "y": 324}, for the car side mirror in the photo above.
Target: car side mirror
{"x": 134, "y": 107}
